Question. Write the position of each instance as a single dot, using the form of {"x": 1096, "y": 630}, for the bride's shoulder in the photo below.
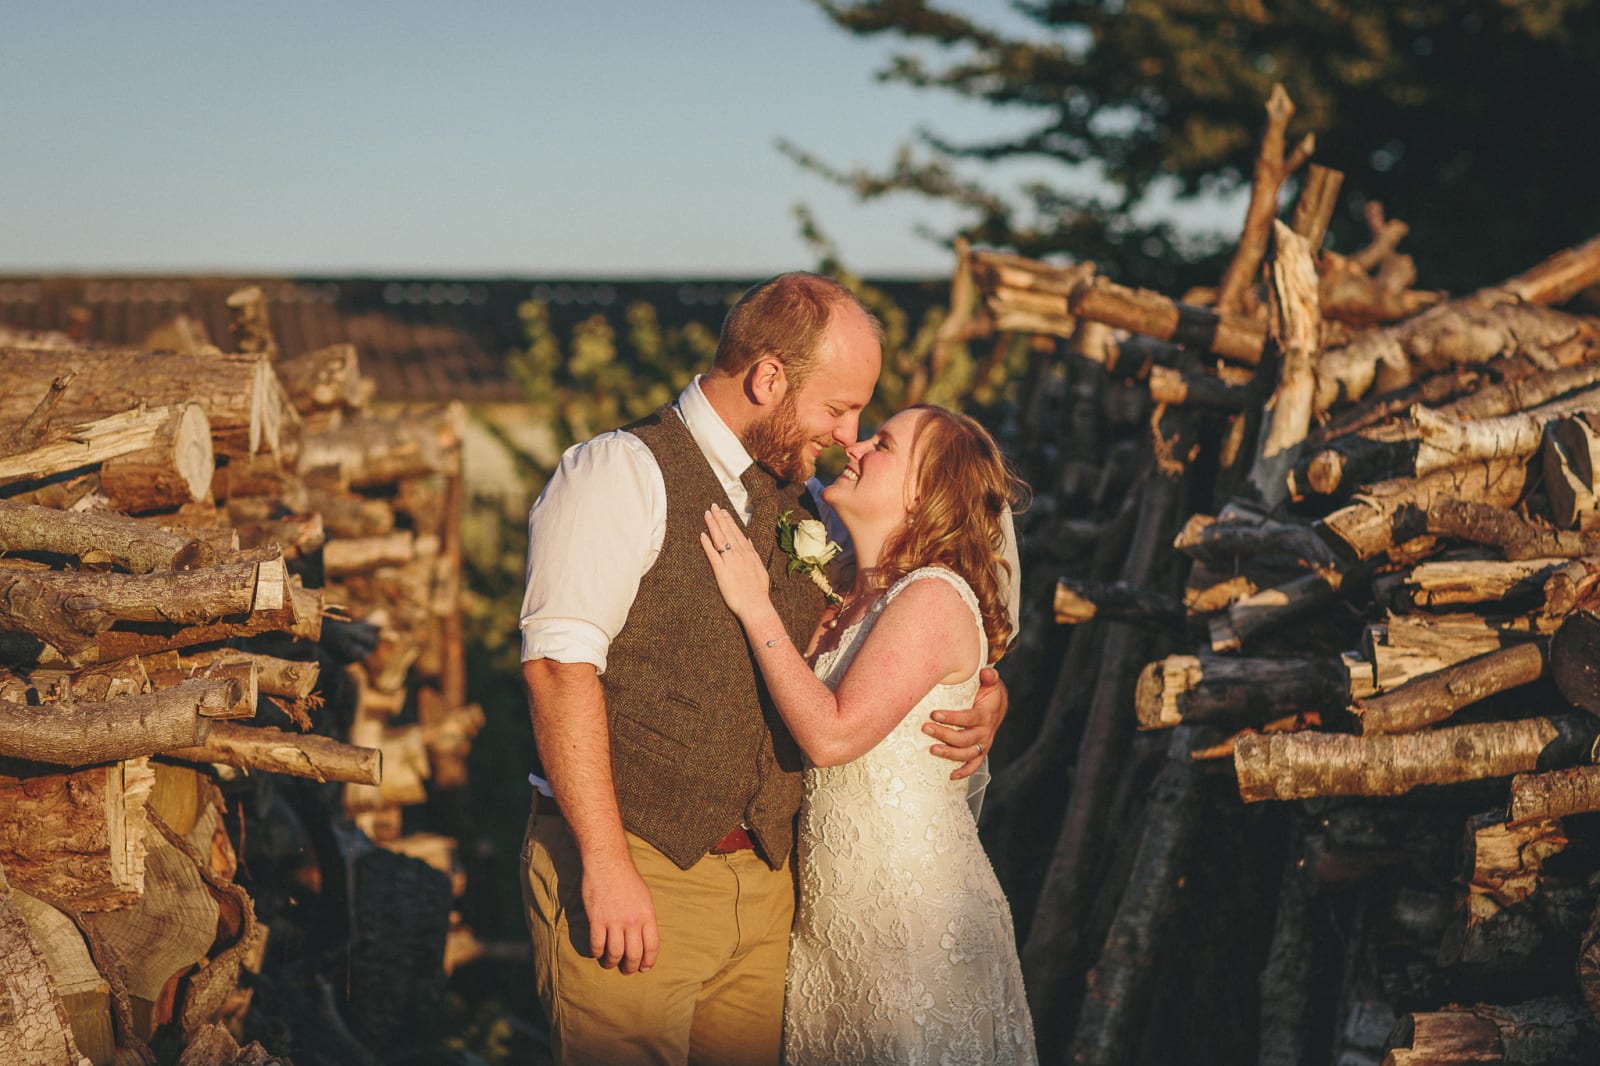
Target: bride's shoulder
{"x": 931, "y": 584}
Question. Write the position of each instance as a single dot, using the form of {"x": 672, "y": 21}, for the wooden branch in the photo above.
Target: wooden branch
{"x": 1223, "y": 545}
{"x": 1296, "y": 330}
{"x": 249, "y": 323}
{"x": 34, "y": 428}
{"x": 1457, "y": 582}
{"x": 366, "y": 452}
{"x": 1391, "y": 512}
{"x": 300, "y": 616}
{"x": 1079, "y": 601}
{"x": 175, "y": 469}
{"x": 1287, "y": 766}
{"x": 1024, "y": 295}
{"x": 1174, "y": 387}
{"x": 1558, "y": 1029}
{"x": 292, "y": 678}
{"x": 1233, "y": 337}
{"x": 1115, "y": 1001}
{"x": 240, "y": 395}
{"x": 274, "y": 751}
{"x": 1410, "y": 645}
{"x": 1313, "y": 209}
{"x": 1263, "y": 209}
{"x": 1503, "y": 529}
{"x": 96, "y": 538}
{"x": 188, "y": 597}
{"x": 1234, "y": 692}
{"x": 1488, "y": 325}
{"x": 170, "y": 435}
{"x": 328, "y": 379}
{"x": 344, "y": 556}
{"x": 1554, "y": 794}
{"x": 1270, "y": 607}
{"x": 1435, "y": 697}
{"x": 82, "y": 734}
{"x": 1558, "y": 278}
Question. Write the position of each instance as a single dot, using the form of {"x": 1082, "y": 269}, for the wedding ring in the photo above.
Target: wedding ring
{"x": 728, "y": 547}
{"x": 980, "y": 747}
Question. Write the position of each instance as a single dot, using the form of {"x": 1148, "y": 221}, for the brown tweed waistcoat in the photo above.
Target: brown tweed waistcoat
{"x": 696, "y": 746}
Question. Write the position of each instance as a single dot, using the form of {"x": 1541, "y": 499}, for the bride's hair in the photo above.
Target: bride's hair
{"x": 964, "y": 487}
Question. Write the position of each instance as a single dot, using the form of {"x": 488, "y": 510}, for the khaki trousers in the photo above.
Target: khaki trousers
{"x": 715, "y": 995}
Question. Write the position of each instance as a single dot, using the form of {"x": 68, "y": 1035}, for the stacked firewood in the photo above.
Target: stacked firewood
{"x": 1379, "y": 623}
{"x": 223, "y": 577}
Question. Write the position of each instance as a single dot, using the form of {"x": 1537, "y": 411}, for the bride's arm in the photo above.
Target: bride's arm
{"x": 924, "y": 636}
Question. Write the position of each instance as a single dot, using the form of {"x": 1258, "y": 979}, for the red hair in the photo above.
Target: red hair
{"x": 964, "y": 487}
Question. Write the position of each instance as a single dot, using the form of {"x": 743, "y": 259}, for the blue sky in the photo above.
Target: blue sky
{"x": 583, "y": 137}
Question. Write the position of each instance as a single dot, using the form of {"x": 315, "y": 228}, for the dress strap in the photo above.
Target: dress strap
{"x": 967, "y": 595}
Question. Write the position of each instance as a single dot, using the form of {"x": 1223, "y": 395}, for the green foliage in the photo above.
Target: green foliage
{"x": 1462, "y": 117}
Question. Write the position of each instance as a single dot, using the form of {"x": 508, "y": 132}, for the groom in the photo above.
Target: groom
{"x": 656, "y": 869}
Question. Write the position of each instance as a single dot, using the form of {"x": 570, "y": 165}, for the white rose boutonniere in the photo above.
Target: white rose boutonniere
{"x": 809, "y": 550}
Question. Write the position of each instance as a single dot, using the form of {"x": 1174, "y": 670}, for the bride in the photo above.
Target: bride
{"x": 903, "y": 949}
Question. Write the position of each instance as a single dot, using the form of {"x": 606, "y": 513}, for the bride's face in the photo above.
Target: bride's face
{"x": 879, "y": 482}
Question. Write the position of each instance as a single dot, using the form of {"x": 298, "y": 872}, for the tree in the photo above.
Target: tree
{"x": 1467, "y": 119}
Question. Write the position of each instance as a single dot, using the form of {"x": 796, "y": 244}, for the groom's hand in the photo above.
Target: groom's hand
{"x": 622, "y": 919}
{"x": 967, "y": 736}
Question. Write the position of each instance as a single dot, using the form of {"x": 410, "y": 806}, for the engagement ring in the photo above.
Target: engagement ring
{"x": 728, "y": 547}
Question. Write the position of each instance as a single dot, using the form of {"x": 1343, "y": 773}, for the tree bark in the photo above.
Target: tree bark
{"x": 173, "y": 440}
{"x": 1117, "y": 999}
{"x": 1503, "y": 861}
{"x": 1411, "y": 645}
{"x": 343, "y": 556}
{"x": 1233, "y": 692}
{"x": 1459, "y": 582}
{"x": 327, "y": 379}
{"x": 1262, "y": 610}
{"x": 1554, "y": 794}
{"x": 240, "y": 395}
{"x": 1233, "y": 337}
{"x": 274, "y": 751}
{"x": 1392, "y": 512}
{"x": 1078, "y": 601}
{"x": 367, "y": 452}
{"x": 1513, "y": 536}
{"x": 1286, "y": 766}
{"x": 95, "y": 538}
{"x": 34, "y": 1029}
{"x": 1435, "y": 697}
{"x": 1575, "y": 659}
{"x": 78, "y": 836}
{"x": 82, "y": 734}
{"x": 1541, "y": 1032}
{"x": 1296, "y": 331}
{"x": 1269, "y": 175}
{"x": 300, "y": 616}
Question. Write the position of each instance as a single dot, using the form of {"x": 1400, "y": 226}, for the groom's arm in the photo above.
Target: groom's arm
{"x": 567, "y": 705}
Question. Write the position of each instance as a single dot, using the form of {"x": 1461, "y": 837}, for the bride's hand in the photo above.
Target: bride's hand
{"x": 740, "y": 573}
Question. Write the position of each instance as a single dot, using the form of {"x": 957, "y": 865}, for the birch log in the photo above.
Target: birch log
{"x": 1236, "y": 338}
{"x": 1231, "y": 691}
{"x": 1536, "y": 1033}
{"x": 1433, "y": 698}
{"x": 1554, "y": 794}
{"x": 1392, "y": 512}
{"x": 1287, "y": 766}
{"x": 1296, "y": 329}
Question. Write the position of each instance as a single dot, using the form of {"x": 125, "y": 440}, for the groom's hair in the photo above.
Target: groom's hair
{"x": 964, "y": 488}
{"x": 786, "y": 318}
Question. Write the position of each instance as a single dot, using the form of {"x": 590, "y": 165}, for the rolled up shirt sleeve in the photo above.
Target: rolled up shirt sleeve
{"x": 593, "y": 533}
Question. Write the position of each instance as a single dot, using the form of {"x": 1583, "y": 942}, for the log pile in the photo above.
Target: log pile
{"x": 1327, "y": 709}
{"x": 230, "y": 655}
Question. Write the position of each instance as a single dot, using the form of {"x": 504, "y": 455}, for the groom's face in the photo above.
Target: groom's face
{"x": 826, "y": 409}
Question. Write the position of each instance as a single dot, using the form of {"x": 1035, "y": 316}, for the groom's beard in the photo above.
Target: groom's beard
{"x": 778, "y": 443}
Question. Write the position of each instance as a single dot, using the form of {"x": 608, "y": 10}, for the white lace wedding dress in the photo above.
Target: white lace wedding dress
{"x": 903, "y": 949}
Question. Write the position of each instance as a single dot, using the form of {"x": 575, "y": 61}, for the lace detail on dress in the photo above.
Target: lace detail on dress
{"x": 903, "y": 949}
